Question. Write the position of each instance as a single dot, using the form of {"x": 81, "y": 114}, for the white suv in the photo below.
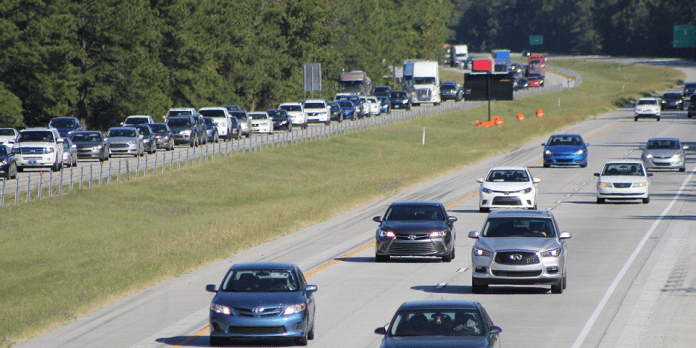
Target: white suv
{"x": 221, "y": 117}
{"x": 39, "y": 147}
{"x": 296, "y": 112}
{"x": 647, "y": 107}
{"x": 137, "y": 119}
{"x": 318, "y": 111}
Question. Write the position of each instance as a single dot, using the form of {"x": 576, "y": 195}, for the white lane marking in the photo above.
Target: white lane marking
{"x": 590, "y": 322}
{"x": 440, "y": 286}
{"x": 462, "y": 270}
{"x": 559, "y": 202}
{"x": 568, "y": 195}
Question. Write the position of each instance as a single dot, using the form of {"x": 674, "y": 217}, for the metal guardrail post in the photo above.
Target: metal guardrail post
{"x": 29, "y": 189}
{"x": 50, "y": 182}
{"x": 40, "y": 185}
{"x": 60, "y": 187}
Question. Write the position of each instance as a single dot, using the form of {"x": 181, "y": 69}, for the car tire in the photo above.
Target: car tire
{"x": 534, "y": 207}
{"x": 484, "y": 210}
{"x": 478, "y": 288}
{"x": 217, "y": 341}
{"x": 74, "y": 164}
{"x": 600, "y": 200}
{"x": 16, "y": 170}
{"x": 20, "y": 169}
{"x": 565, "y": 281}
{"x": 557, "y": 288}
{"x": 646, "y": 200}
{"x": 301, "y": 341}
{"x": 584, "y": 165}
{"x": 310, "y": 334}
{"x": 658, "y": 119}
{"x": 682, "y": 169}
{"x": 635, "y": 119}
{"x": 546, "y": 165}
{"x": 381, "y": 258}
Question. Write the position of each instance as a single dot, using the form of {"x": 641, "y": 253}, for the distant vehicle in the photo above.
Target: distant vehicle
{"x": 482, "y": 65}
{"x": 400, "y": 100}
{"x": 163, "y": 135}
{"x": 373, "y": 105}
{"x": 525, "y": 54}
{"x": 664, "y": 153}
{"x": 348, "y": 109}
{"x": 537, "y": 63}
{"x": 261, "y": 123}
{"x": 565, "y": 149}
{"x": 149, "y": 137}
{"x": 262, "y": 300}
{"x": 69, "y": 153}
{"x": 8, "y": 163}
{"x": 450, "y": 90}
{"x": 535, "y": 80}
{"x": 297, "y": 114}
{"x": 689, "y": 89}
{"x": 184, "y": 130}
{"x": 382, "y": 91}
{"x": 244, "y": 122}
{"x": 501, "y": 60}
{"x": 281, "y": 120}
{"x": 354, "y": 82}
{"x": 221, "y": 118}
{"x": 520, "y": 83}
{"x": 691, "y": 111}
{"x": 359, "y": 106}
{"x": 508, "y": 187}
{"x": 39, "y": 147}
{"x": 231, "y": 108}
{"x": 125, "y": 141}
{"x": 138, "y": 119}
{"x": 317, "y": 111}
{"x": 647, "y": 107}
{"x": 424, "y": 86}
{"x": 8, "y": 136}
{"x": 90, "y": 145}
{"x": 623, "y": 179}
{"x": 415, "y": 229}
{"x": 672, "y": 101}
{"x": 65, "y": 125}
{"x": 438, "y": 324}
{"x": 458, "y": 56}
{"x": 517, "y": 67}
{"x": 336, "y": 112}
{"x": 236, "y": 128}
{"x": 521, "y": 248}
{"x": 385, "y": 104}
{"x": 212, "y": 130}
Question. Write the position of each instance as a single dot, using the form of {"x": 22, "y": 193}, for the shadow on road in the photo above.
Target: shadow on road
{"x": 194, "y": 341}
{"x": 492, "y": 290}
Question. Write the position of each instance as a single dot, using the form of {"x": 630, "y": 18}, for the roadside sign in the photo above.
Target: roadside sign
{"x": 312, "y": 77}
{"x": 684, "y": 36}
{"x": 536, "y": 40}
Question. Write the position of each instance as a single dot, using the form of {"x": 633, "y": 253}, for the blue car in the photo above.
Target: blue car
{"x": 262, "y": 301}
{"x": 348, "y": 109}
{"x": 565, "y": 150}
{"x": 66, "y": 125}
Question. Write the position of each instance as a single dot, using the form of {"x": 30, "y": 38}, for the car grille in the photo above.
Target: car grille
{"x": 31, "y": 150}
{"x": 399, "y": 247}
{"x": 517, "y": 273}
{"x": 416, "y": 236}
{"x": 516, "y": 258}
{"x": 256, "y": 330}
{"x": 423, "y": 94}
{"x": 622, "y": 185}
{"x": 564, "y": 160}
{"x": 506, "y": 201}
{"x": 118, "y": 146}
{"x": 266, "y": 312}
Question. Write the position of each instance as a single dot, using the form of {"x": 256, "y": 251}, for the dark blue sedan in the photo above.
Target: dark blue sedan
{"x": 565, "y": 150}
{"x": 440, "y": 324}
{"x": 349, "y": 110}
{"x": 261, "y": 301}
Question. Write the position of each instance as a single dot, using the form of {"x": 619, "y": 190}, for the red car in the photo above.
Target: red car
{"x": 535, "y": 81}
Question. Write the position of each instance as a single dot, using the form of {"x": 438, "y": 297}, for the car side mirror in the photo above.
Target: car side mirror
{"x": 685, "y": 147}
{"x": 543, "y": 144}
{"x": 121, "y": 124}
{"x": 596, "y": 174}
{"x": 74, "y": 147}
{"x": 474, "y": 234}
{"x": 210, "y": 288}
{"x": 59, "y": 141}
{"x": 377, "y": 219}
{"x": 587, "y": 144}
{"x": 479, "y": 180}
{"x": 564, "y": 235}
{"x": 536, "y": 180}
{"x": 311, "y": 288}
{"x": 452, "y": 219}
{"x": 381, "y": 330}
{"x": 495, "y": 329}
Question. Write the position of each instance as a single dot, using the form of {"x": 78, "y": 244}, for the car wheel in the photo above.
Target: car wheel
{"x": 646, "y": 200}
{"x": 546, "y": 165}
{"x": 478, "y": 288}
{"x": 557, "y": 288}
{"x": 584, "y": 165}
{"x": 682, "y": 169}
{"x": 658, "y": 119}
{"x": 310, "y": 334}
{"x": 448, "y": 257}
{"x": 534, "y": 207}
{"x": 565, "y": 281}
{"x": 217, "y": 341}
{"x": 74, "y": 164}
{"x": 20, "y": 169}
{"x": 248, "y": 135}
{"x": 484, "y": 210}
{"x": 16, "y": 170}
{"x": 381, "y": 258}
{"x": 600, "y": 200}
{"x": 301, "y": 341}
{"x": 635, "y": 119}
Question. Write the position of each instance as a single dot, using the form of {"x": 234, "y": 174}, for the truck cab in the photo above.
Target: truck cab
{"x": 423, "y": 85}
{"x": 354, "y": 82}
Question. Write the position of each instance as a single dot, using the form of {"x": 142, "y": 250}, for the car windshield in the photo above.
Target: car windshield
{"x": 158, "y": 127}
{"x": 663, "y": 145}
{"x": 291, "y": 107}
{"x": 447, "y": 88}
{"x": 564, "y": 140}
{"x": 437, "y": 322}
{"x": 518, "y": 227}
{"x": 672, "y": 96}
{"x": 209, "y": 121}
{"x": 238, "y": 114}
{"x": 7, "y": 131}
{"x": 345, "y": 103}
{"x": 128, "y": 133}
{"x": 381, "y": 90}
{"x": 414, "y": 213}
{"x": 144, "y": 130}
{"x": 174, "y": 113}
{"x": 136, "y": 120}
{"x": 35, "y": 136}
{"x": 232, "y": 108}
{"x": 398, "y": 95}
{"x": 62, "y": 123}
{"x": 276, "y": 113}
{"x": 631, "y": 169}
{"x": 179, "y": 122}
{"x": 233, "y": 121}
{"x": 315, "y": 106}
{"x": 350, "y": 85}
{"x": 212, "y": 113}
{"x": 512, "y": 175}
{"x": 335, "y": 106}
{"x": 258, "y": 116}
{"x": 429, "y": 80}
{"x": 647, "y": 102}
{"x": 250, "y": 280}
{"x": 87, "y": 137}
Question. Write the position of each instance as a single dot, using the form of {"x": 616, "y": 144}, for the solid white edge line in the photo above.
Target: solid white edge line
{"x": 610, "y": 291}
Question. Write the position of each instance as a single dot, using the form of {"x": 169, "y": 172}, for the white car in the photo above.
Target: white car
{"x": 374, "y": 105}
{"x": 8, "y": 136}
{"x": 296, "y": 112}
{"x": 137, "y": 119}
{"x": 261, "y": 122}
{"x": 221, "y": 118}
{"x": 623, "y": 179}
{"x": 508, "y": 187}
{"x": 318, "y": 111}
{"x": 647, "y": 107}
{"x": 39, "y": 147}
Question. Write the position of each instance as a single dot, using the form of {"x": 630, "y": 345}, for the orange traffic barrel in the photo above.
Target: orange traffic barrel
{"x": 520, "y": 116}
{"x": 540, "y": 113}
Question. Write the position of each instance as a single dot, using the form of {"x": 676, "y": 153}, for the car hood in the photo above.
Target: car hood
{"x": 88, "y": 143}
{"x": 506, "y": 186}
{"x": 663, "y": 153}
{"x": 179, "y": 129}
{"x": 408, "y": 227}
{"x": 622, "y": 178}
{"x": 35, "y": 144}
{"x": 510, "y": 243}
{"x": 435, "y": 341}
{"x": 254, "y": 299}
{"x": 557, "y": 149}
{"x": 122, "y": 139}
{"x": 6, "y": 138}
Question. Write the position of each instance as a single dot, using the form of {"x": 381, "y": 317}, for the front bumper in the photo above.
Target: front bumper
{"x": 163, "y": 142}
{"x": 622, "y": 193}
{"x": 261, "y": 128}
{"x": 512, "y": 200}
{"x": 115, "y": 149}
{"x": 402, "y": 246}
{"x": 547, "y": 270}
{"x": 663, "y": 163}
{"x": 565, "y": 160}
{"x": 646, "y": 114}
{"x": 280, "y": 326}
{"x": 182, "y": 138}
{"x": 38, "y": 160}
{"x": 88, "y": 152}
{"x": 282, "y": 125}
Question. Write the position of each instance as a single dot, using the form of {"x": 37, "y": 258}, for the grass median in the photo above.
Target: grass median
{"x": 62, "y": 258}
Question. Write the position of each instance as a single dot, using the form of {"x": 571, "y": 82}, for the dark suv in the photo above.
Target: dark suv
{"x": 692, "y": 106}
{"x": 689, "y": 89}
{"x": 185, "y": 129}
{"x": 66, "y": 126}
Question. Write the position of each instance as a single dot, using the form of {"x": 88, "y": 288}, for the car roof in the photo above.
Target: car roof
{"x": 650, "y": 98}
{"x": 64, "y": 118}
{"x": 315, "y": 101}
{"x": 664, "y": 139}
{"x": 509, "y": 168}
{"x": 262, "y": 265}
{"x": 629, "y": 161}
{"x": 520, "y": 213}
{"x": 213, "y": 108}
{"x": 290, "y": 103}
{"x": 565, "y": 135}
{"x": 416, "y": 203}
{"x": 86, "y": 132}
{"x": 138, "y": 116}
{"x": 442, "y": 304}
{"x": 129, "y": 127}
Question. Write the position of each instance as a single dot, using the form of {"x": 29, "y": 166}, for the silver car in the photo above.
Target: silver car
{"x": 519, "y": 247}
{"x": 664, "y": 153}
{"x": 125, "y": 141}
{"x": 69, "y": 153}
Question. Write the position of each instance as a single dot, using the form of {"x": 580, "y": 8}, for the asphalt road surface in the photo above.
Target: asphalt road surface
{"x": 630, "y": 276}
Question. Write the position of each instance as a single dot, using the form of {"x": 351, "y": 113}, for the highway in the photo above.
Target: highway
{"x": 629, "y": 282}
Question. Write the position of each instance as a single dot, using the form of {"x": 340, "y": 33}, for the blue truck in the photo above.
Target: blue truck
{"x": 501, "y": 61}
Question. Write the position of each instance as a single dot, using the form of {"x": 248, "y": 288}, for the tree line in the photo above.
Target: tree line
{"x": 102, "y": 60}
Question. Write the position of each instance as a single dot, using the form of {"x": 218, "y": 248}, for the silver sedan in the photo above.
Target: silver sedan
{"x": 664, "y": 153}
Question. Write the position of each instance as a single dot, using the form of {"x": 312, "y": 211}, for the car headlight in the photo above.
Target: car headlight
{"x": 49, "y": 150}
{"x": 132, "y": 143}
{"x": 482, "y": 252}
{"x": 551, "y": 253}
{"x": 603, "y": 184}
{"x": 146, "y": 140}
{"x": 649, "y": 155}
{"x": 294, "y": 309}
{"x": 528, "y": 190}
{"x": 220, "y": 309}
{"x": 98, "y": 147}
{"x": 548, "y": 152}
{"x": 580, "y": 152}
{"x": 405, "y": 101}
{"x": 676, "y": 156}
{"x": 387, "y": 234}
{"x": 438, "y": 234}
{"x": 486, "y": 190}
{"x": 185, "y": 132}
{"x": 3, "y": 162}
{"x": 638, "y": 184}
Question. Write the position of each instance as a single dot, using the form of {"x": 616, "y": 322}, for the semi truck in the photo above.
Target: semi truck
{"x": 354, "y": 82}
{"x": 501, "y": 60}
{"x": 537, "y": 64}
{"x": 422, "y": 81}
{"x": 458, "y": 55}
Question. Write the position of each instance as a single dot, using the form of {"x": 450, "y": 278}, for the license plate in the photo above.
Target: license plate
{"x": 32, "y": 162}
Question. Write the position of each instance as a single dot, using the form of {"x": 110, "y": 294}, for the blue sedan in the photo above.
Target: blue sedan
{"x": 564, "y": 150}
{"x": 262, "y": 300}
{"x": 349, "y": 110}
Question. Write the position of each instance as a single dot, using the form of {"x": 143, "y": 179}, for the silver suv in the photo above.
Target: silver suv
{"x": 39, "y": 147}
{"x": 519, "y": 247}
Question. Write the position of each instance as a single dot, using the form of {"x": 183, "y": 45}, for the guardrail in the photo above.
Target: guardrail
{"x": 40, "y": 185}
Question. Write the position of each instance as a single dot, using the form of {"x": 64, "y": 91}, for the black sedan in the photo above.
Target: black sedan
{"x": 281, "y": 120}
{"x": 415, "y": 229}
{"x": 400, "y": 100}
{"x": 91, "y": 145}
{"x": 440, "y": 324}
{"x": 8, "y": 163}
{"x": 336, "y": 112}
{"x": 672, "y": 101}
